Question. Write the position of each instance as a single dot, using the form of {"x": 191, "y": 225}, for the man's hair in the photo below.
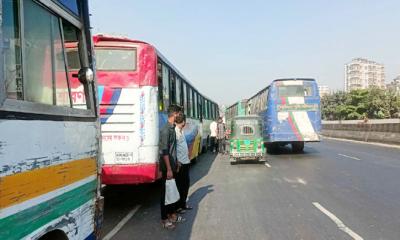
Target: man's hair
{"x": 180, "y": 118}
{"x": 173, "y": 109}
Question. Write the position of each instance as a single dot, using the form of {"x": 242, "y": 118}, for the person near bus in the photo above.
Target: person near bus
{"x": 221, "y": 136}
{"x": 213, "y": 136}
{"x": 168, "y": 166}
{"x": 182, "y": 177}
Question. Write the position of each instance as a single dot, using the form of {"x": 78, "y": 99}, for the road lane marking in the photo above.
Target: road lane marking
{"x": 362, "y": 142}
{"x": 116, "y": 229}
{"x": 302, "y": 181}
{"x": 338, "y": 222}
{"x": 267, "y": 164}
{"x": 349, "y": 157}
{"x": 298, "y": 180}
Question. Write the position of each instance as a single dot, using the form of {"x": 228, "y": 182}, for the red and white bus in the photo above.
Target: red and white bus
{"x": 136, "y": 86}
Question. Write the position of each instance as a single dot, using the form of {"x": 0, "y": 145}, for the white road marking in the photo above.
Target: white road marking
{"x": 289, "y": 180}
{"x": 349, "y": 157}
{"x": 362, "y": 142}
{"x": 338, "y": 222}
{"x": 298, "y": 180}
{"x": 116, "y": 229}
{"x": 302, "y": 181}
{"x": 267, "y": 165}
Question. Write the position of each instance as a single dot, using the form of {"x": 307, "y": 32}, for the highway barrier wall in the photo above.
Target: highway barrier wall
{"x": 382, "y": 130}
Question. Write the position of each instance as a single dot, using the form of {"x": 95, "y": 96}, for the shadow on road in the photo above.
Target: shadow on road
{"x": 286, "y": 150}
{"x": 119, "y": 200}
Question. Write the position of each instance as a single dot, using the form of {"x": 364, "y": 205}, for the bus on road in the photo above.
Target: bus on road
{"x": 235, "y": 110}
{"x": 49, "y": 148}
{"x": 290, "y": 109}
{"x": 136, "y": 86}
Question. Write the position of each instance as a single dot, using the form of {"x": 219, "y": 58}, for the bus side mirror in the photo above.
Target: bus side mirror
{"x": 85, "y": 75}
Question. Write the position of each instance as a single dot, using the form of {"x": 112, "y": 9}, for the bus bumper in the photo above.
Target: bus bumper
{"x": 129, "y": 174}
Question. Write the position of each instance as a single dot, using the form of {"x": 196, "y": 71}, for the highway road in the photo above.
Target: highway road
{"x": 334, "y": 190}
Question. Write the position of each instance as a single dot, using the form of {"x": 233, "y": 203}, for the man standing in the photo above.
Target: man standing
{"x": 168, "y": 165}
{"x": 182, "y": 178}
{"x": 221, "y": 136}
{"x": 213, "y": 135}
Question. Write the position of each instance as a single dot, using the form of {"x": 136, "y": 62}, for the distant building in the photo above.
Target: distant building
{"x": 323, "y": 90}
{"x": 394, "y": 85}
{"x": 362, "y": 73}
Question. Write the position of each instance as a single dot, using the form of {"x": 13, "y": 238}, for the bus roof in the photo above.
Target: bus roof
{"x": 294, "y": 79}
{"x": 123, "y": 39}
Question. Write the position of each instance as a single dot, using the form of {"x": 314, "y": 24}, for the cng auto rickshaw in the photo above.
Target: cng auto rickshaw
{"x": 246, "y": 141}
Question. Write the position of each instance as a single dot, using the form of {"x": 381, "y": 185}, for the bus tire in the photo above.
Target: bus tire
{"x": 54, "y": 235}
{"x": 272, "y": 148}
{"x": 297, "y": 147}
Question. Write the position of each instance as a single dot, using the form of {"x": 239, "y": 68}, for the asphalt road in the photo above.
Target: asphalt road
{"x": 334, "y": 190}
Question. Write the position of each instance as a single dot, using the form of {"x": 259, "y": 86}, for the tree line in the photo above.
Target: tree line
{"x": 372, "y": 103}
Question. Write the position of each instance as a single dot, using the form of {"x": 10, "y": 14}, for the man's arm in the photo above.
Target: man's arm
{"x": 164, "y": 151}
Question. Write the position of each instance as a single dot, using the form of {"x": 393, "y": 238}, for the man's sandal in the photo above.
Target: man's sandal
{"x": 178, "y": 219}
{"x": 181, "y": 210}
{"x": 167, "y": 224}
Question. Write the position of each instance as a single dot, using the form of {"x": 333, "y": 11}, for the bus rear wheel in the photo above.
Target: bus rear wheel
{"x": 272, "y": 148}
{"x": 297, "y": 147}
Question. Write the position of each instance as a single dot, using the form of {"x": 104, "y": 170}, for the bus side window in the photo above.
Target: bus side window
{"x": 44, "y": 75}
{"x": 12, "y": 50}
{"x": 172, "y": 84}
{"x": 165, "y": 86}
{"x": 178, "y": 91}
{"x": 195, "y": 104}
{"x": 184, "y": 87}
{"x": 190, "y": 103}
{"x": 160, "y": 86}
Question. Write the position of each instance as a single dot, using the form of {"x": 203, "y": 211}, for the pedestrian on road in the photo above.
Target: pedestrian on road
{"x": 221, "y": 136}
{"x": 213, "y": 136}
{"x": 182, "y": 177}
{"x": 168, "y": 166}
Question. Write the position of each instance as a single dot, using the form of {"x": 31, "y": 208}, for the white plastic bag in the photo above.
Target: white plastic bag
{"x": 171, "y": 192}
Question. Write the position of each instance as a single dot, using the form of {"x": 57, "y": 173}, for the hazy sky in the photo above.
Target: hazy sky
{"x": 231, "y": 49}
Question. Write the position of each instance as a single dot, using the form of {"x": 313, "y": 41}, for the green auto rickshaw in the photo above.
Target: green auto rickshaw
{"x": 246, "y": 141}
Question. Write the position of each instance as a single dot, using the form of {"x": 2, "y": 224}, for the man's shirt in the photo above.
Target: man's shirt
{"x": 181, "y": 147}
{"x": 167, "y": 146}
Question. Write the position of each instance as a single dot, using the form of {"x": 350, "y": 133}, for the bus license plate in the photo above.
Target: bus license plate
{"x": 123, "y": 157}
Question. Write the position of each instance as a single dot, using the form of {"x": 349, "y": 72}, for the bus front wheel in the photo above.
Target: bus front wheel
{"x": 298, "y": 147}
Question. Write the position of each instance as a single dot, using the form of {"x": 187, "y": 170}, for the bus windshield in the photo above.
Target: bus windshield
{"x": 295, "y": 91}
{"x": 116, "y": 59}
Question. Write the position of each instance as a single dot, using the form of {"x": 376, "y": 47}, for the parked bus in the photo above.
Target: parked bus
{"x": 136, "y": 86}
{"x": 49, "y": 150}
{"x": 235, "y": 110}
{"x": 290, "y": 109}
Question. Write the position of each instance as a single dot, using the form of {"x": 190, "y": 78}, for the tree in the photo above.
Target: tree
{"x": 372, "y": 103}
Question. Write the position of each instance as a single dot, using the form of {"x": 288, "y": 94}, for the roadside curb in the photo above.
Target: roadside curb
{"x": 363, "y": 142}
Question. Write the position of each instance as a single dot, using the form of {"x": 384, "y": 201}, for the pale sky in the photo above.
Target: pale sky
{"x": 231, "y": 49}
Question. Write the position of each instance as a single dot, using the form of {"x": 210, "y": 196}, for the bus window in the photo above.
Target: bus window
{"x": 196, "y": 115}
{"x": 201, "y": 113}
{"x": 184, "y": 87}
{"x": 12, "y": 51}
{"x": 190, "y": 102}
{"x": 205, "y": 109}
{"x": 38, "y": 43}
{"x": 116, "y": 59}
{"x": 178, "y": 91}
{"x": 71, "y": 39}
{"x": 172, "y": 84}
{"x": 295, "y": 90}
{"x": 160, "y": 87}
{"x": 165, "y": 86}
{"x": 61, "y": 77}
